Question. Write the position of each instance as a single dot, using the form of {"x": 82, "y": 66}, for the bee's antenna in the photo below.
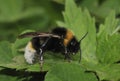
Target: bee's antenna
{"x": 83, "y": 37}
{"x": 80, "y": 45}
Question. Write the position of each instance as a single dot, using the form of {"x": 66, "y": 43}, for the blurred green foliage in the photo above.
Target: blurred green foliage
{"x": 16, "y": 16}
{"x": 100, "y": 49}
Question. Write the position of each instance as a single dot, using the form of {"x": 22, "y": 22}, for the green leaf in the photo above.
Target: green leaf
{"x": 73, "y": 17}
{"x": 10, "y": 78}
{"x": 61, "y": 24}
{"x": 59, "y": 1}
{"x": 89, "y": 43}
{"x": 5, "y": 52}
{"x": 110, "y": 25}
{"x": 108, "y": 40}
{"x": 111, "y": 72}
{"x": 8, "y": 58}
{"x": 69, "y": 72}
{"x": 107, "y": 51}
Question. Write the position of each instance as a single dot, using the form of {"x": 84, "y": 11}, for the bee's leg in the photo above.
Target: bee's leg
{"x": 41, "y": 59}
{"x": 42, "y": 49}
{"x": 67, "y": 55}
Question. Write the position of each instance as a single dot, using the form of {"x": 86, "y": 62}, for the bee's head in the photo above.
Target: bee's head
{"x": 73, "y": 46}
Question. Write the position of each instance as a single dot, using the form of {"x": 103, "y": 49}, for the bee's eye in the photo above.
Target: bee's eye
{"x": 73, "y": 43}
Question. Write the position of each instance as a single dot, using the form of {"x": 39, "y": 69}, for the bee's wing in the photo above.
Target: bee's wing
{"x": 38, "y": 34}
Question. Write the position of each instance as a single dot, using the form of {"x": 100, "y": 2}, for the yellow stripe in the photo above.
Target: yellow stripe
{"x": 31, "y": 46}
{"x": 68, "y": 37}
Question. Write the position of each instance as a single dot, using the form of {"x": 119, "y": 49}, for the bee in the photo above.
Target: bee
{"x": 59, "y": 40}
